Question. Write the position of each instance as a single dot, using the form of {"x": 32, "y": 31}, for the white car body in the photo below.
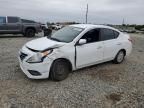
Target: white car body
{"x": 79, "y": 56}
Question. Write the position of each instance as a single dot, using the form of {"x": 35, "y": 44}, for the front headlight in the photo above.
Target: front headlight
{"x": 39, "y": 57}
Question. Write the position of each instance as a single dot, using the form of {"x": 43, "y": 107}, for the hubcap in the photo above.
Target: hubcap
{"x": 120, "y": 57}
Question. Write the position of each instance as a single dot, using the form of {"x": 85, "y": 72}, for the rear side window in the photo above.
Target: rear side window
{"x": 2, "y": 20}
{"x": 13, "y": 19}
{"x": 116, "y": 34}
{"x": 108, "y": 34}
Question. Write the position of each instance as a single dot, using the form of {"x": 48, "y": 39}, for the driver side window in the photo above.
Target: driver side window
{"x": 92, "y": 36}
{"x": 2, "y": 20}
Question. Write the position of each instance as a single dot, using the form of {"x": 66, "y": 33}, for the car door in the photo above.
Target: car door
{"x": 111, "y": 43}
{"x": 13, "y": 24}
{"x": 2, "y": 24}
{"x": 91, "y": 52}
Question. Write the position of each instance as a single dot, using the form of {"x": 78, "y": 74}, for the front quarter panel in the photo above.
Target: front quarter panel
{"x": 66, "y": 52}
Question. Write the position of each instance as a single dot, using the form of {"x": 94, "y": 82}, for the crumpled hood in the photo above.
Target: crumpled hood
{"x": 42, "y": 44}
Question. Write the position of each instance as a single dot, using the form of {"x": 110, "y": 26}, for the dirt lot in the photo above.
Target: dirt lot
{"x": 102, "y": 86}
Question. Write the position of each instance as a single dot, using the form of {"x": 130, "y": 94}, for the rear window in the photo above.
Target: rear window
{"x": 13, "y": 19}
{"x": 2, "y": 20}
{"x": 27, "y": 21}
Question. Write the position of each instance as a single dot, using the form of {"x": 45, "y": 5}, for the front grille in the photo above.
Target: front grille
{"x": 23, "y": 56}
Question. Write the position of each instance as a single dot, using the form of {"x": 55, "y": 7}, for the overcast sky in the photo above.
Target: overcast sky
{"x": 100, "y": 11}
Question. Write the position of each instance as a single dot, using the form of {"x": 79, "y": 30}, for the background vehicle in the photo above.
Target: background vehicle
{"x": 44, "y": 26}
{"x": 47, "y": 30}
{"x": 72, "y": 48}
{"x": 56, "y": 27}
{"x": 16, "y": 25}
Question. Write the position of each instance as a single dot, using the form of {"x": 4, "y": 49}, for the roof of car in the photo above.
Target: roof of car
{"x": 84, "y": 26}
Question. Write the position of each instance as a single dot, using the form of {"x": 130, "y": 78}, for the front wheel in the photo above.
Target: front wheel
{"x": 59, "y": 70}
{"x": 119, "y": 57}
{"x": 29, "y": 33}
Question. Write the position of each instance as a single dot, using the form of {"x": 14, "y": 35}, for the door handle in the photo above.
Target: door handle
{"x": 99, "y": 47}
{"x": 119, "y": 43}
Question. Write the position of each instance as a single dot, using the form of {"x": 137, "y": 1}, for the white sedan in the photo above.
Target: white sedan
{"x": 71, "y": 48}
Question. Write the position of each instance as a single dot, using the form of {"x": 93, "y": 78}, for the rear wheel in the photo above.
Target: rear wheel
{"x": 29, "y": 33}
{"x": 59, "y": 70}
{"x": 119, "y": 57}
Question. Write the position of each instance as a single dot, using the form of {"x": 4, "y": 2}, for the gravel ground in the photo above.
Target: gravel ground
{"x": 102, "y": 86}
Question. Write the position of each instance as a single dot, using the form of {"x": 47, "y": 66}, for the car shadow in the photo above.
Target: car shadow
{"x": 96, "y": 65}
{"x": 79, "y": 70}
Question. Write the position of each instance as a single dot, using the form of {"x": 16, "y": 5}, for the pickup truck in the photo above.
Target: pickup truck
{"x": 16, "y": 25}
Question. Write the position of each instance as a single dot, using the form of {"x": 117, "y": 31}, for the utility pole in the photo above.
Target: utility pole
{"x": 123, "y": 22}
{"x": 87, "y": 14}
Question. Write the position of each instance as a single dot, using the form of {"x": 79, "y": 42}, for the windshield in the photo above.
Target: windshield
{"x": 66, "y": 34}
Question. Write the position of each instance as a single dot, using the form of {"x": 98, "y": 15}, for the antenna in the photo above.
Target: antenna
{"x": 87, "y": 14}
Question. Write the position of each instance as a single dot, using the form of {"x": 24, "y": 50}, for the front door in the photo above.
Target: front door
{"x": 91, "y": 52}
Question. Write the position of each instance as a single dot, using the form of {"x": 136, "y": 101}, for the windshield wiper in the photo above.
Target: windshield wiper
{"x": 55, "y": 39}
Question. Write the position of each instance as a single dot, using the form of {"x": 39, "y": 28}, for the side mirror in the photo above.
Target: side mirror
{"x": 82, "y": 41}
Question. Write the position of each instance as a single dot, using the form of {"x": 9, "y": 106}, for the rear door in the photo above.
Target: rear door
{"x": 2, "y": 24}
{"x": 111, "y": 43}
{"x": 13, "y": 24}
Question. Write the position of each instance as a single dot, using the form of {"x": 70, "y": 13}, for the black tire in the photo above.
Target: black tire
{"x": 60, "y": 70}
{"x": 29, "y": 33}
{"x": 119, "y": 57}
